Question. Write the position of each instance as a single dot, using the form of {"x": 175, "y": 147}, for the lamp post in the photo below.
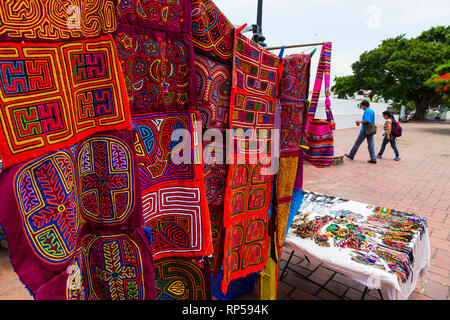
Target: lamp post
{"x": 257, "y": 29}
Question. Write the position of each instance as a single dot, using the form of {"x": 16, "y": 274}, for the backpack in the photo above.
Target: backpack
{"x": 396, "y": 128}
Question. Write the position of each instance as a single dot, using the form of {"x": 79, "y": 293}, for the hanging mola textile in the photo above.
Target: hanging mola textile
{"x": 252, "y": 121}
{"x": 155, "y": 48}
{"x": 72, "y": 209}
{"x": 293, "y": 98}
{"x": 156, "y": 52}
{"x": 212, "y": 36}
{"x": 212, "y": 32}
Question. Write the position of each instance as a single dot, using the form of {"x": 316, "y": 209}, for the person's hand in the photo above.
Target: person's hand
{"x": 389, "y": 137}
{"x": 357, "y": 122}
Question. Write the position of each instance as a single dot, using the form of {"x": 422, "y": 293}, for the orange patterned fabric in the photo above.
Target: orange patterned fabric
{"x": 53, "y": 95}
{"x": 248, "y": 194}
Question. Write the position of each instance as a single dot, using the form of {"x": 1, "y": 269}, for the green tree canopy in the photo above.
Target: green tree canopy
{"x": 399, "y": 68}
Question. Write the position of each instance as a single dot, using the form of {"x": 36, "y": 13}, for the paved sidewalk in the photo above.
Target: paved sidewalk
{"x": 419, "y": 183}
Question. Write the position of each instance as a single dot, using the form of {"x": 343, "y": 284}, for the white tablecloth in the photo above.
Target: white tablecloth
{"x": 339, "y": 259}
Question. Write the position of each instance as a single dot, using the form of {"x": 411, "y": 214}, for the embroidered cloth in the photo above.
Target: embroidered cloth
{"x": 50, "y": 20}
{"x": 158, "y": 68}
{"x": 212, "y": 32}
{"x": 293, "y": 94}
{"x": 52, "y": 95}
{"x": 248, "y": 193}
{"x": 164, "y": 15}
{"x": 73, "y": 220}
{"x": 213, "y": 84}
{"x": 173, "y": 192}
{"x": 181, "y": 279}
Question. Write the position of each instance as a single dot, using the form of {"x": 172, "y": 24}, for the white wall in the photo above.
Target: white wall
{"x": 346, "y": 112}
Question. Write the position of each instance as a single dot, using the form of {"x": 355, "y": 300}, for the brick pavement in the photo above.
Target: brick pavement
{"x": 419, "y": 183}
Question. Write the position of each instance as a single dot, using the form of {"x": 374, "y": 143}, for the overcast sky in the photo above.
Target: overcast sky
{"x": 354, "y": 26}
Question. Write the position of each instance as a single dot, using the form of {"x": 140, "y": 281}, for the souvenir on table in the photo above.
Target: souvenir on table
{"x": 173, "y": 192}
{"x": 49, "y": 20}
{"x": 158, "y": 68}
{"x": 164, "y": 15}
{"x": 212, "y": 32}
{"x": 53, "y": 95}
{"x": 319, "y": 133}
{"x": 181, "y": 279}
{"x": 378, "y": 247}
{"x": 77, "y": 211}
{"x": 248, "y": 194}
{"x": 213, "y": 84}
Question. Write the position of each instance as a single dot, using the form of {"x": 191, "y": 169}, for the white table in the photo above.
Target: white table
{"x": 339, "y": 259}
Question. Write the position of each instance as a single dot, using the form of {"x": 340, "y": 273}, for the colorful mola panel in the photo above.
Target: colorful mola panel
{"x": 164, "y": 15}
{"x": 49, "y": 20}
{"x": 247, "y": 200}
{"x": 158, "y": 68}
{"x": 90, "y": 186}
{"x": 47, "y": 199}
{"x": 253, "y": 99}
{"x": 173, "y": 195}
{"x": 155, "y": 148}
{"x": 54, "y": 95}
{"x": 246, "y": 245}
{"x": 294, "y": 91}
{"x": 105, "y": 267}
{"x": 212, "y": 32}
{"x": 293, "y": 94}
{"x": 213, "y": 84}
{"x": 111, "y": 267}
{"x": 248, "y": 192}
{"x": 115, "y": 268}
{"x": 106, "y": 180}
{"x": 181, "y": 279}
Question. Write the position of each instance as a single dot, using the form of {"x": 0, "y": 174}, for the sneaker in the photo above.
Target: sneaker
{"x": 397, "y": 158}
{"x": 348, "y": 157}
{"x": 379, "y": 157}
{"x": 372, "y": 161}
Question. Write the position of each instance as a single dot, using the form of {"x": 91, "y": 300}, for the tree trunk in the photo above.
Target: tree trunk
{"x": 424, "y": 102}
{"x": 420, "y": 111}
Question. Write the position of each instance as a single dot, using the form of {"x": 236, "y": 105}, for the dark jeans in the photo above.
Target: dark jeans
{"x": 370, "y": 142}
{"x": 393, "y": 145}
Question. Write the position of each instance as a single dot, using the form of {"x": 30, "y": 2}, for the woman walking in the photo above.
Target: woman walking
{"x": 388, "y": 137}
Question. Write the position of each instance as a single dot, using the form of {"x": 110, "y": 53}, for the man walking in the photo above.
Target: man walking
{"x": 368, "y": 117}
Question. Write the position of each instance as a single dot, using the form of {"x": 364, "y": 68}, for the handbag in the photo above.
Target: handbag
{"x": 370, "y": 129}
{"x": 319, "y": 133}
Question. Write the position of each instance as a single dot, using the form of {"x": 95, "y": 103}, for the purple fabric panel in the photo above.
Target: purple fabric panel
{"x": 164, "y": 15}
{"x": 60, "y": 211}
{"x": 159, "y": 69}
{"x": 299, "y": 178}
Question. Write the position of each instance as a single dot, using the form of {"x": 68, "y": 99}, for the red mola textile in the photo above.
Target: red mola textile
{"x": 52, "y": 95}
{"x": 249, "y": 183}
{"x": 173, "y": 192}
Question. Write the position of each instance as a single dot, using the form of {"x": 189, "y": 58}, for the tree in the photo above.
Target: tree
{"x": 344, "y": 86}
{"x": 399, "y": 68}
{"x": 440, "y": 82}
